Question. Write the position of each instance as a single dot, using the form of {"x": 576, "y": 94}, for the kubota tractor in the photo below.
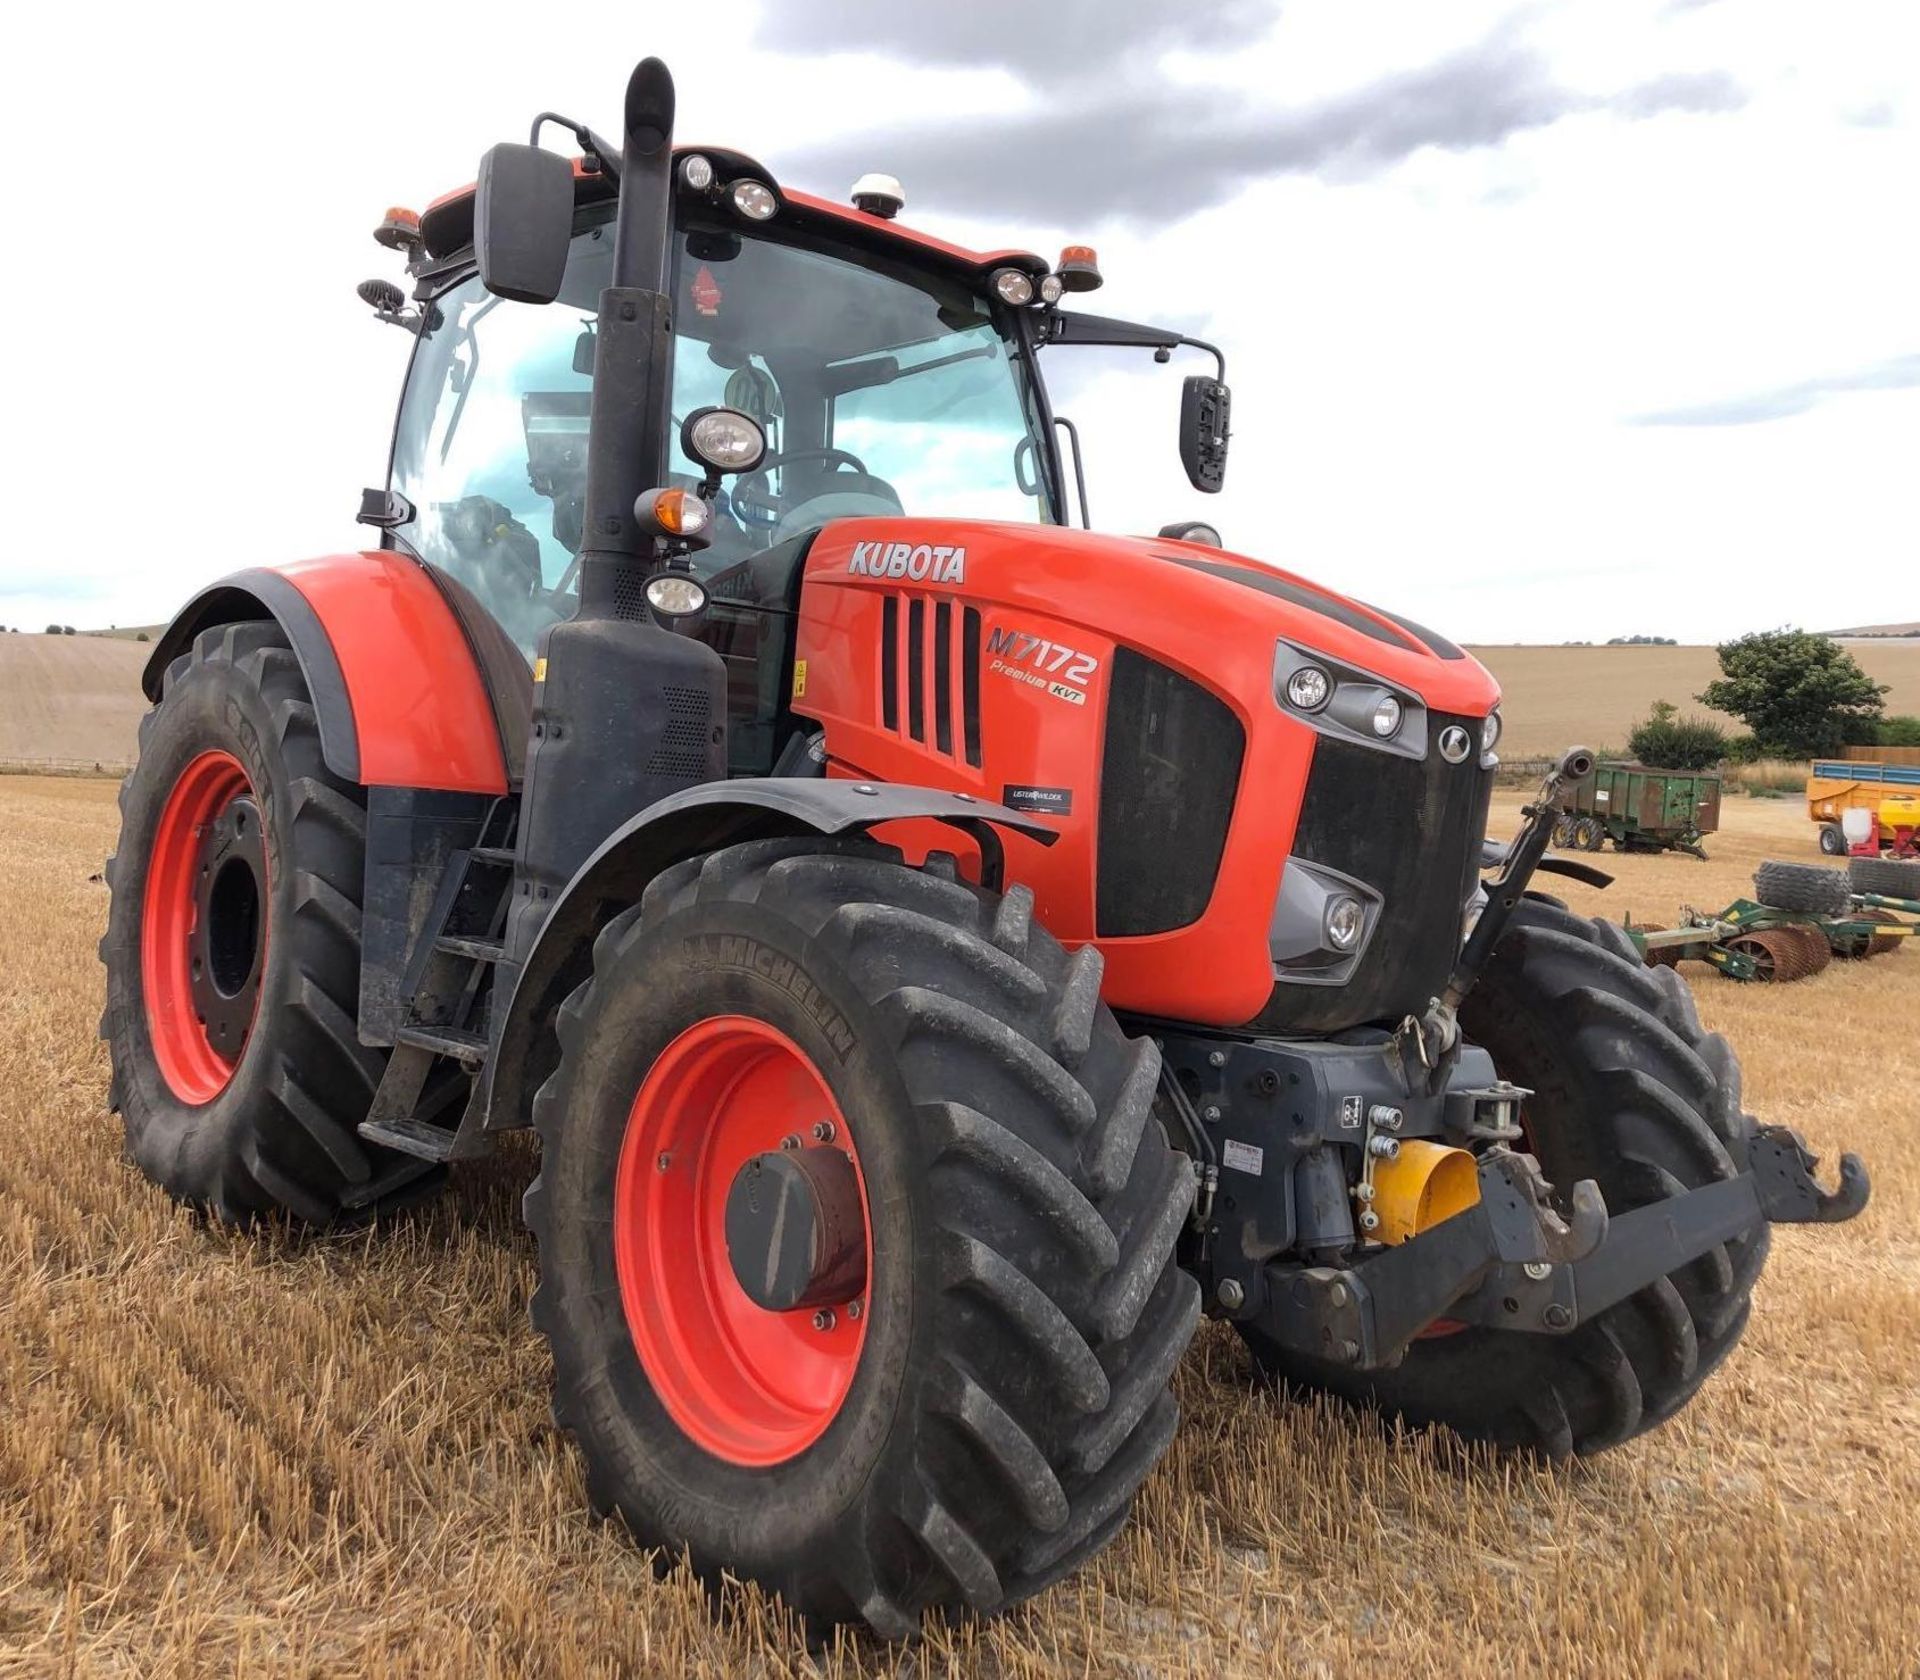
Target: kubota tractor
{"x": 943, "y": 951}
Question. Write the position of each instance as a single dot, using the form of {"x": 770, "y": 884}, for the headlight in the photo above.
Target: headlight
{"x": 1308, "y": 688}
{"x": 1346, "y": 920}
{"x": 724, "y": 439}
{"x": 754, "y": 200}
{"x": 1386, "y": 717}
{"x": 1490, "y": 732}
{"x": 1012, "y": 286}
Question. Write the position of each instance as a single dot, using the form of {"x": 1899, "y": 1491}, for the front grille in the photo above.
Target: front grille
{"x": 1169, "y": 772}
{"x": 1411, "y": 829}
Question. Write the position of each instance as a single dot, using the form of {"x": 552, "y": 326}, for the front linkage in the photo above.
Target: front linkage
{"x": 1321, "y": 1281}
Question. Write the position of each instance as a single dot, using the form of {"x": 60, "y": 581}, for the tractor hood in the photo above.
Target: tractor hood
{"x": 1135, "y": 693}
{"x": 1212, "y": 613}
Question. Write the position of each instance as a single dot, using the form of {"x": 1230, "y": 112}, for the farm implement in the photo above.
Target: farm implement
{"x": 1803, "y": 918}
{"x": 1639, "y": 810}
{"x": 942, "y": 951}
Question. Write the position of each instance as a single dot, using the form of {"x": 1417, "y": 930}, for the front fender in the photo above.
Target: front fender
{"x": 396, "y": 683}
{"x": 683, "y": 825}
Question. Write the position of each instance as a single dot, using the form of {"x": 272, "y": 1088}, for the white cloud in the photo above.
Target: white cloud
{"x": 1433, "y": 366}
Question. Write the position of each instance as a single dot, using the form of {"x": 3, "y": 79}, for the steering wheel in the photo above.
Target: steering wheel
{"x": 753, "y": 499}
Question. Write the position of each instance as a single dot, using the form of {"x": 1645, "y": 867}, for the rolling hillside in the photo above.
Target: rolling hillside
{"x": 74, "y": 698}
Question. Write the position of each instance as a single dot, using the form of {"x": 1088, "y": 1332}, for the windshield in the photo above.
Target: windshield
{"x": 882, "y": 390}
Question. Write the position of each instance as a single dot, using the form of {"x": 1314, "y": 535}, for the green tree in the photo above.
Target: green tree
{"x": 1801, "y": 694}
{"x": 1667, "y": 741}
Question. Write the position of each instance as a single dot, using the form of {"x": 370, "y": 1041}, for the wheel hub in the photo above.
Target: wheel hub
{"x": 229, "y": 927}
{"x": 794, "y": 1231}
{"x": 726, "y": 1232}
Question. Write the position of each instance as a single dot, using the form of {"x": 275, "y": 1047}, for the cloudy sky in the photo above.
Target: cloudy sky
{"x": 1568, "y": 319}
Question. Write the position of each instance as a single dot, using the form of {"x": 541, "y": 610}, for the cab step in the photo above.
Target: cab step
{"x": 463, "y": 1046}
{"x": 410, "y": 1137}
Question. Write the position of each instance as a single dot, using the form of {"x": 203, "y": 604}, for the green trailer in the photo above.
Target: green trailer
{"x": 1639, "y": 809}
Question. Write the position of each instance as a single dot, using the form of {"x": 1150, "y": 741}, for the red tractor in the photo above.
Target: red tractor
{"x": 943, "y": 951}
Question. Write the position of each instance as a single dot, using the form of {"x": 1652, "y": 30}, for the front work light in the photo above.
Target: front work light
{"x": 1386, "y": 717}
{"x": 753, "y": 199}
{"x": 1012, "y": 286}
{"x": 675, "y": 595}
{"x": 723, "y": 440}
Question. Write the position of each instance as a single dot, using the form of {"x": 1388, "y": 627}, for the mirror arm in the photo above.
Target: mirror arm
{"x": 592, "y": 144}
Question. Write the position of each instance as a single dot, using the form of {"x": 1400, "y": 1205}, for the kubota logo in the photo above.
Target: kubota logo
{"x": 922, "y": 562}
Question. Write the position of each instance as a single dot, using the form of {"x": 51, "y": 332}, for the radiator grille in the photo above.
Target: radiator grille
{"x": 1411, "y": 829}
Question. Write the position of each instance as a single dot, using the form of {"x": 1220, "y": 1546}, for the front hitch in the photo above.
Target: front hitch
{"x": 1511, "y": 1263}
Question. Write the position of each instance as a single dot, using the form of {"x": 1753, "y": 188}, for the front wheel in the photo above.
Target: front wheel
{"x": 856, "y": 1235}
{"x": 1627, "y": 1090}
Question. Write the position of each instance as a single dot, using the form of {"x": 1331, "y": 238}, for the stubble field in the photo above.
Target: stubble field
{"x": 224, "y": 1453}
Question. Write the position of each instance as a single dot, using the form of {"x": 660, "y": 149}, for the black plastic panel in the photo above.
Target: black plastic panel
{"x": 1170, "y": 771}
{"x": 1411, "y": 829}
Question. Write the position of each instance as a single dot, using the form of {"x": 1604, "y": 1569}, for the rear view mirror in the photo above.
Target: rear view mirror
{"x": 1206, "y": 406}
{"x": 522, "y": 221}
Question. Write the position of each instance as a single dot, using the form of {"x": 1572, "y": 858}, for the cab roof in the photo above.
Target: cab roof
{"x": 446, "y": 225}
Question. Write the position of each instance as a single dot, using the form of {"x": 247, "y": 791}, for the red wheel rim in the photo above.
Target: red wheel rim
{"x": 749, "y": 1385}
{"x": 203, "y": 927}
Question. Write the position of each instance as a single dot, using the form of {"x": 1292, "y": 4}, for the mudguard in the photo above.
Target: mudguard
{"x": 698, "y": 819}
{"x": 396, "y": 683}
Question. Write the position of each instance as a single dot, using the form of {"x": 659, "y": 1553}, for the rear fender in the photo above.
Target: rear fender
{"x": 396, "y": 685}
{"x": 683, "y": 825}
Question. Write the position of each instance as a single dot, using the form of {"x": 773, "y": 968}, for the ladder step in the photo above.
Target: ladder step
{"x": 457, "y": 1042}
{"x": 480, "y": 950}
{"x": 502, "y": 855}
{"x": 410, "y": 1137}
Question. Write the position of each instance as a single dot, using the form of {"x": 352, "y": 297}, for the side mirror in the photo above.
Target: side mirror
{"x": 1206, "y": 406}
{"x": 522, "y": 221}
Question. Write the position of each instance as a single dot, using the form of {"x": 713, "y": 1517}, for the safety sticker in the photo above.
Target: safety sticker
{"x": 1242, "y": 1157}
{"x": 799, "y": 678}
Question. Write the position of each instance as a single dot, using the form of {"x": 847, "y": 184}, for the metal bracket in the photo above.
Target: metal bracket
{"x": 1789, "y": 1194}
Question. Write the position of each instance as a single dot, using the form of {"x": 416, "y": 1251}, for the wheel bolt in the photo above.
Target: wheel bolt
{"x": 823, "y": 1131}
{"x": 665, "y": 1160}
{"x": 854, "y": 1309}
{"x": 823, "y": 1319}
{"x": 790, "y": 1141}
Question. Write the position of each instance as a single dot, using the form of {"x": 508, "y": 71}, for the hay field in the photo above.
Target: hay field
{"x": 1556, "y": 697}
{"x": 70, "y": 697}
{"x": 222, "y": 1454}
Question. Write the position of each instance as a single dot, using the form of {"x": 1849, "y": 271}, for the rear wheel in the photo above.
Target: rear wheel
{"x": 1629, "y": 1091}
{"x": 856, "y": 1235}
{"x": 233, "y": 946}
{"x": 1591, "y": 834}
{"x": 1833, "y": 840}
